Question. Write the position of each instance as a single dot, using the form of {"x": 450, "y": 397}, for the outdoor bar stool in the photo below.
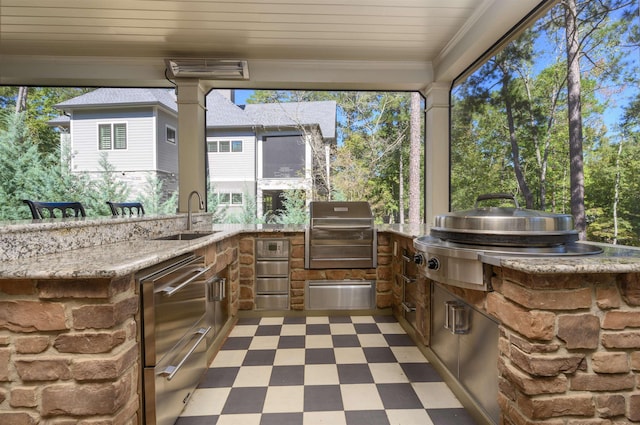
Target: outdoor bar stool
{"x": 126, "y": 208}
{"x": 40, "y": 210}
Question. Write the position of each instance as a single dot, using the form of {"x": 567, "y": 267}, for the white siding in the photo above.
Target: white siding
{"x": 140, "y": 137}
{"x": 167, "y": 152}
{"x": 233, "y": 166}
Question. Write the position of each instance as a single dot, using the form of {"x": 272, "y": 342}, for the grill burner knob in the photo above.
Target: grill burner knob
{"x": 433, "y": 263}
{"x": 418, "y": 259}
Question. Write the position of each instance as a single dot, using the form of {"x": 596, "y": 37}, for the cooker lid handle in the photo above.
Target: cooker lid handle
{"x": 497, "y": 196}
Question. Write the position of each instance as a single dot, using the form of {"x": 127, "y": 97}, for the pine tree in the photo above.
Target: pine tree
{"x": 21, "y": 170}
{"x": 107, "y": 187}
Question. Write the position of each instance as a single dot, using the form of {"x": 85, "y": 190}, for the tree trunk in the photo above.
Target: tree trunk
{"x": 616, "y": 195}
{"x": 414, "y": 160}
{"x": 21, "y": 100}
{"x": 401, "y": 189}
{"x": 515, "y": 149}
{"x": 575, "y": 119}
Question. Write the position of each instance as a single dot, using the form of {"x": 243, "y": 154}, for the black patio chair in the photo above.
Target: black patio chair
{"x": 41, "y": 210}
{"x": 126, "y": 208}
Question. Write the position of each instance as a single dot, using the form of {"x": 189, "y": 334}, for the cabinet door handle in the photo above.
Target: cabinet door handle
{"x": 170, "y": 290}
{"x": 170, "y": 371}
{"x": 223, "y": 289}
{"x": 456, "y": 317}
{"x": 460, "y": 315}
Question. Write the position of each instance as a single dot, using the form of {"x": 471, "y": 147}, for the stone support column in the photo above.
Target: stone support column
{"x": 437, "y": 151}
{"x": 191, "y": 141}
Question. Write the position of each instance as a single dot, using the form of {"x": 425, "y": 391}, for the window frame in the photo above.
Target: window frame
{"x": 167, "y": 139}
{"x": 230, "y": 198}
{"x": 113, "y": 133}
{"x": 225, "y": 146}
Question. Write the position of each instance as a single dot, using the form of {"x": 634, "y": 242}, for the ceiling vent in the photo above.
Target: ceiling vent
{"x": 209, "y": 69}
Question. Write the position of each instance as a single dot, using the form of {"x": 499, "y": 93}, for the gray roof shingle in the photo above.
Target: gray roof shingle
{"x": 221, "y": 112}
{"x": 117, "y": 96}
{"x": 322, "y": 113}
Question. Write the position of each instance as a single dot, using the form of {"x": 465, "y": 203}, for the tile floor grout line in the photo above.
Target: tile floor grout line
{"x": 338, "y": 370}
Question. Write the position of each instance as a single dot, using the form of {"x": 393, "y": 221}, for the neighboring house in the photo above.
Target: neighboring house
{"x": 255, "y": 151}
{"x": 136, "y": 129}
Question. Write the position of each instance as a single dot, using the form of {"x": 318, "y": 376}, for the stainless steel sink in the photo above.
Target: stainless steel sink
{"x": 187, "y": 236}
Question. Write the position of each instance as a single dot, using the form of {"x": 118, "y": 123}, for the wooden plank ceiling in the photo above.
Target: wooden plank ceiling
{"x": 86, "y": 32}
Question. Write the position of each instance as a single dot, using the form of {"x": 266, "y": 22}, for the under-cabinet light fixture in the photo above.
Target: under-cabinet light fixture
{"x": 209, "y": 69}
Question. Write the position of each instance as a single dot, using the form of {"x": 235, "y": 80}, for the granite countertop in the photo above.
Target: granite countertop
{"x": 137, "y": 248}
{"x": 613, "y": 259}
{"x": 120, "y": 258}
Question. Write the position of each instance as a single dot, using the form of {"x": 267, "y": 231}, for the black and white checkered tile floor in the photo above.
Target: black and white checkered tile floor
{"x": 336, "y": 370}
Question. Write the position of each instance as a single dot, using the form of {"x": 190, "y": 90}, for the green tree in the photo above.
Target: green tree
{"x": 39, "y": 108}
{"x": 61, "y": 183}
{"x": 21, "y": 168}
{"x": 106, "y": 187}
{"x": 154, "y": 198}
{"x": 294, "y": 209}
{"x": 249, "y": 212}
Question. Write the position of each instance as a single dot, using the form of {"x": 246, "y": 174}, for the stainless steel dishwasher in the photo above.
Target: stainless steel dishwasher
{"x": 174, "y": 331}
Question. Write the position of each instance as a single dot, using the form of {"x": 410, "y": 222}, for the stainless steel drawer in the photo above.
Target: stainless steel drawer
{"x": 170, "y": 384}
{"x": 272, "y": 268}
{"x": 340, "y": 294}
{"x": 272, "y": 302}
{"x": 272, "y": 284}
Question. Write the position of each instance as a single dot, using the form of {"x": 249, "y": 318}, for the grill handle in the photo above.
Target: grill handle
{"x": 488, "y": 196}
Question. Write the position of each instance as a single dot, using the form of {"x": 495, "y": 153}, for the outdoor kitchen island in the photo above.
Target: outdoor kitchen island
{"x": 569, "y": 335}
{"x": 69, "y": 345}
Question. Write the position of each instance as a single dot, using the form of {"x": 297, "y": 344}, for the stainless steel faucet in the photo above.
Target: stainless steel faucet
{"x": 201, "y": 205}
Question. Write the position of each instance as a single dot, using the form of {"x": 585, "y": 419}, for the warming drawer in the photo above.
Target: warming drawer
{"x": 272, "y": 268}
{"x": 272, "y": 284}
{"x": 339, "y": 294}
{"x": 272, "y": 301}
{"x": 272, "y": 274}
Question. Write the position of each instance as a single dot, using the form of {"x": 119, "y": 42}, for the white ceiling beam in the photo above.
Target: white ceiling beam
{"x": 78, "y": 71}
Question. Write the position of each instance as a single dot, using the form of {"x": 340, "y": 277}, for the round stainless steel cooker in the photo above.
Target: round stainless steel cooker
{"x": 504, "y": 226}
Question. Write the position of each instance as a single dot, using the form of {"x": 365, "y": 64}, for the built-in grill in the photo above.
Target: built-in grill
{"x": 453, "y": 252}
{"x": 340, "y": 235}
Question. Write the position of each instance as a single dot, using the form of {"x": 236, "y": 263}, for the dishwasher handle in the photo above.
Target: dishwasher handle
{"x": 171, "y": 370}
{"x": 170, "y": 290}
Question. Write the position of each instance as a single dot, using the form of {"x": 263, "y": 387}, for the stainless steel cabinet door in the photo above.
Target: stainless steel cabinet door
{"x": 443, "y": 343}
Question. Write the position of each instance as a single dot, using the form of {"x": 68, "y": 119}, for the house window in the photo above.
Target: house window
{"x": 224, "y": 198}
{"x": 171, "y": 135}
{"x": 112, "y": 136}
{"x": 236, "y": 199}
{"x": 224, "y": 146}
{"x": 233, "y": 198}
{"x": 283, "y": 157}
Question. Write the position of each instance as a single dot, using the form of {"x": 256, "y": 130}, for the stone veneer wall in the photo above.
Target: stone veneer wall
{"x": 416, "y": 292}
{"x": 69, "y": 349}
{"x": 298, "y": 274}
{"x": 224, "y": 254}
{"x": 569, "y": 347}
